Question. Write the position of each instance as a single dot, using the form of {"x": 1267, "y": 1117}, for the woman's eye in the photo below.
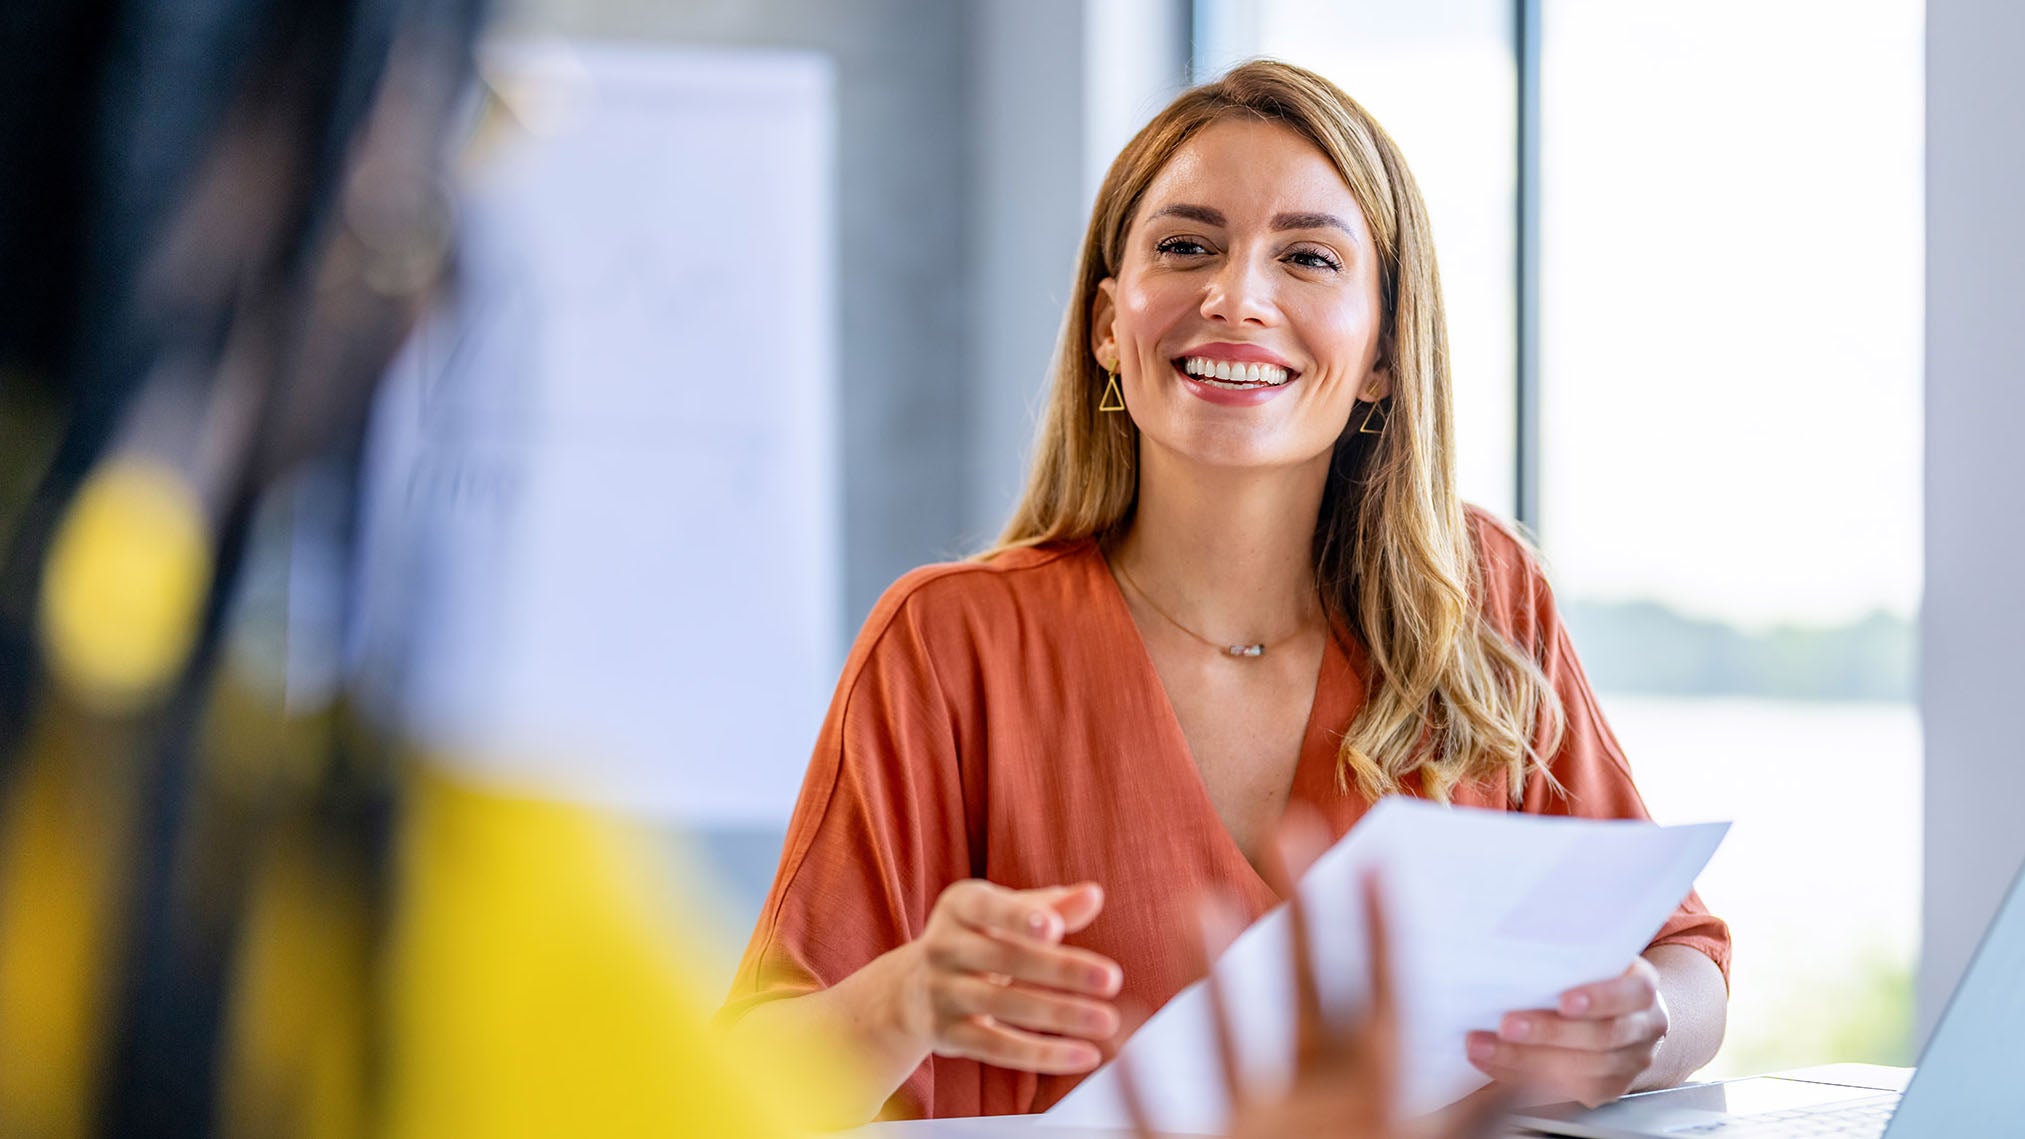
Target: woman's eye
{"x": 1313, "y": 259}
{"x": 1181, "y": 247}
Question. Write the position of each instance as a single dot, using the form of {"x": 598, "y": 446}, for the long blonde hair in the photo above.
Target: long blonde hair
{"x": 1395, "y": 560}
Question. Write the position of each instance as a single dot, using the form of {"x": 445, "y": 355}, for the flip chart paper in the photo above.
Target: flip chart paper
{"x": 603, "y": 534}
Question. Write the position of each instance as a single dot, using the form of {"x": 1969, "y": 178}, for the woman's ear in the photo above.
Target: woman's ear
{"x": 1378, "y": 381}
{"x": 1103, "y": 308}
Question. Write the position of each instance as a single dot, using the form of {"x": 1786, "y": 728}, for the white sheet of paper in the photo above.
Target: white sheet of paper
{"x": 1490, "y": 911}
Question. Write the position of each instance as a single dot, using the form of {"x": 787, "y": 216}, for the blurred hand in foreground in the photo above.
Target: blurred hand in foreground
{"x": 1346, "y": 1073}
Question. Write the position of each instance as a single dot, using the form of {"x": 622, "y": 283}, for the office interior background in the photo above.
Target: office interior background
{"x": 1725, "y": 333}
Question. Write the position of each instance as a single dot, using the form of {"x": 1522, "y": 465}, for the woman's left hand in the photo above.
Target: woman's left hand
{"x": 1593, "y": 1048}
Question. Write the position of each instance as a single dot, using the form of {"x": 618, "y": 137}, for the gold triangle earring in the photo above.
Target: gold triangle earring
{"x": 1377, "y": 414}
{"x": 1114, "y": 399}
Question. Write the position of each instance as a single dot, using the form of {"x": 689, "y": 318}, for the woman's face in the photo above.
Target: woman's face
{"x": 1245, "y": 319}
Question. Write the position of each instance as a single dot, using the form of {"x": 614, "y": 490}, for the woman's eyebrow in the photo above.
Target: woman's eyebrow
{"x": 1203, "y": 214}
{"x": 1312, "y": 221}
{"x": 1211, "y": 216}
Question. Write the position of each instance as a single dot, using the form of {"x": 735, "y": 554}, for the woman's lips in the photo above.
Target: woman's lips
{"x": 1228, "y": 393}
{"x": 1221, "y": 351}
{"x": 1219, "y": 367}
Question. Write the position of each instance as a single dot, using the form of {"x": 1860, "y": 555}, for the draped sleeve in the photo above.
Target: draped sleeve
{"x": 878, "y": 831}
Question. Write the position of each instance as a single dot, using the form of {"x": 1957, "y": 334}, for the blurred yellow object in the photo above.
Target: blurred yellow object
{"x": 540, "y": 986}
{"x": 298, "y": 1039}
{"x": 64, "y": 840}
{"x": 124, "y": 585}
{"x": 539, "y": 976}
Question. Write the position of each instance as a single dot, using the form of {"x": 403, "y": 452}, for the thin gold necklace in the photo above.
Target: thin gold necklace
{"x": 1255, "y": 649}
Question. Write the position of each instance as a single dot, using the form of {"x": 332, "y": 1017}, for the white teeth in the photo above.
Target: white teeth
{"x": 1239, "y": 374}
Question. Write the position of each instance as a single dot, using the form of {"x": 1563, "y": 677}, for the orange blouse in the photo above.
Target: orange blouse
{"x": 1002, "y": 720}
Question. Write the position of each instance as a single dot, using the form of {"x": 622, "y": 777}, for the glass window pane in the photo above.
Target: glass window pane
{"x": 1731, "y": 344}
{"x": 1439, "y": 76}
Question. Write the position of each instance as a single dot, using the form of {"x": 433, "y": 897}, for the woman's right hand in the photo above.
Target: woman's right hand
{"x": 991, "y": 981}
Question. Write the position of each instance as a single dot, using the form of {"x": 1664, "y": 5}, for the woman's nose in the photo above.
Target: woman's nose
{"x": 1239, "y": 293}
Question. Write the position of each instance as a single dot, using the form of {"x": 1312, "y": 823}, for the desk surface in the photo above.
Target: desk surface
{"x": 1005, "y": 1127}
{"x": 1009, "y": 1126}
{"x": 989, "y": 1127}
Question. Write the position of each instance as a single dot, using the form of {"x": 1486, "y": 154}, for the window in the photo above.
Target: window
{"x": 1730, "y": 327}
{"x": 1731, "y": 322}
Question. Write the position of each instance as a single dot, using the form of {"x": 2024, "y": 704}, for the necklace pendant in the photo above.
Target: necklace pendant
{"x": 1245, "y": 650}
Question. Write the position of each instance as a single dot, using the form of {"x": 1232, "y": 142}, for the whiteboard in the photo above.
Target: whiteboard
{"x": 601, "y": 558}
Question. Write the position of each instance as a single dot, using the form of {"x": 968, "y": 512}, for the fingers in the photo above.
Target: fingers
{"x": 1078, "y": 905}
{"x": 1219, "y": 929}
{"x": 1311, "y": 1030}
{"x": 1544, "y": 1060}
{"x": 1025, "y": 913}
{"x": 990, "y": 1042}
{"x": 1303, "y": 835}
{"x": 1374, "y": 1043}
{"x": 1593, "y": 1048}
{"x": 1384, "y": 986}
{"x": 1591, "y": 1077}
{"x": 1128, "y": 1093}
{"x": 1642, "y": 1028}
{"x": 1000, "y": 989}
{"x": 1634, "y": 990}
{"x": 960, "y": 995}
{"x": 1128, "y": 1082}
{"x": 1062, "y": 967}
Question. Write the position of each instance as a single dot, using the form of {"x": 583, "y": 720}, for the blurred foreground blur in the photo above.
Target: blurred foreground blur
{"x": 231, "y": 901}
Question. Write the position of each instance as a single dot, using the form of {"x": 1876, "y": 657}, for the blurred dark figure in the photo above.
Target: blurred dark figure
{"x": 218, "y": 219}
{"x": 230, "y": 901}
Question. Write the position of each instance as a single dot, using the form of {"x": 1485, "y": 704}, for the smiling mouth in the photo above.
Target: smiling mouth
{"x": 1232, "y": 376}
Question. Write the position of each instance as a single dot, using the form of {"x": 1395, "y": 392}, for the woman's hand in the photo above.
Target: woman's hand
{"x": 1346, "y": 1075}
{"x": 1593, "y": 1048}
{"x": 991, "y": 981}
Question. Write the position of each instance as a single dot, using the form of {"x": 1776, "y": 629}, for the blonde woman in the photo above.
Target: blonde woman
{"x": 1241, "y": 578}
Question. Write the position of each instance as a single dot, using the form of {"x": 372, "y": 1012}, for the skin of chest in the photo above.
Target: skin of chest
{"x": 1244, "y": 720}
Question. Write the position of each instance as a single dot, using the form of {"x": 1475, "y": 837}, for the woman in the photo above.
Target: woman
{"x": 1240, "y": 578}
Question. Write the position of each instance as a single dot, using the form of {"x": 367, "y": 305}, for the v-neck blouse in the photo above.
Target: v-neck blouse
{"x": 1002, "y": 720}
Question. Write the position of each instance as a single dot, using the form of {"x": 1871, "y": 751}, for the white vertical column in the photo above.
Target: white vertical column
{"x": 1973, "y": 619}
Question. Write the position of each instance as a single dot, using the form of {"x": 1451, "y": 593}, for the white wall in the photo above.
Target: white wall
{"x": 1028, "y": 91}
{"x": 903, "y": 209}
{"x": 1973, "y": 618}
{"x": 1060, "y": 87}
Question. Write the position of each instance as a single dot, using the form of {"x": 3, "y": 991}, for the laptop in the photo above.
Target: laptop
{"x": 1964, "y": 1088}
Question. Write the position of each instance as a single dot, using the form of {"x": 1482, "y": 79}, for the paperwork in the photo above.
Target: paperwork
{"x": 1491, "y": 912}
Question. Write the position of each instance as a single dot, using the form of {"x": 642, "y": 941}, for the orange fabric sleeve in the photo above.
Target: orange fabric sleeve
{"x": 878, "y": 832}
{"x": 1589, "y": 764}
